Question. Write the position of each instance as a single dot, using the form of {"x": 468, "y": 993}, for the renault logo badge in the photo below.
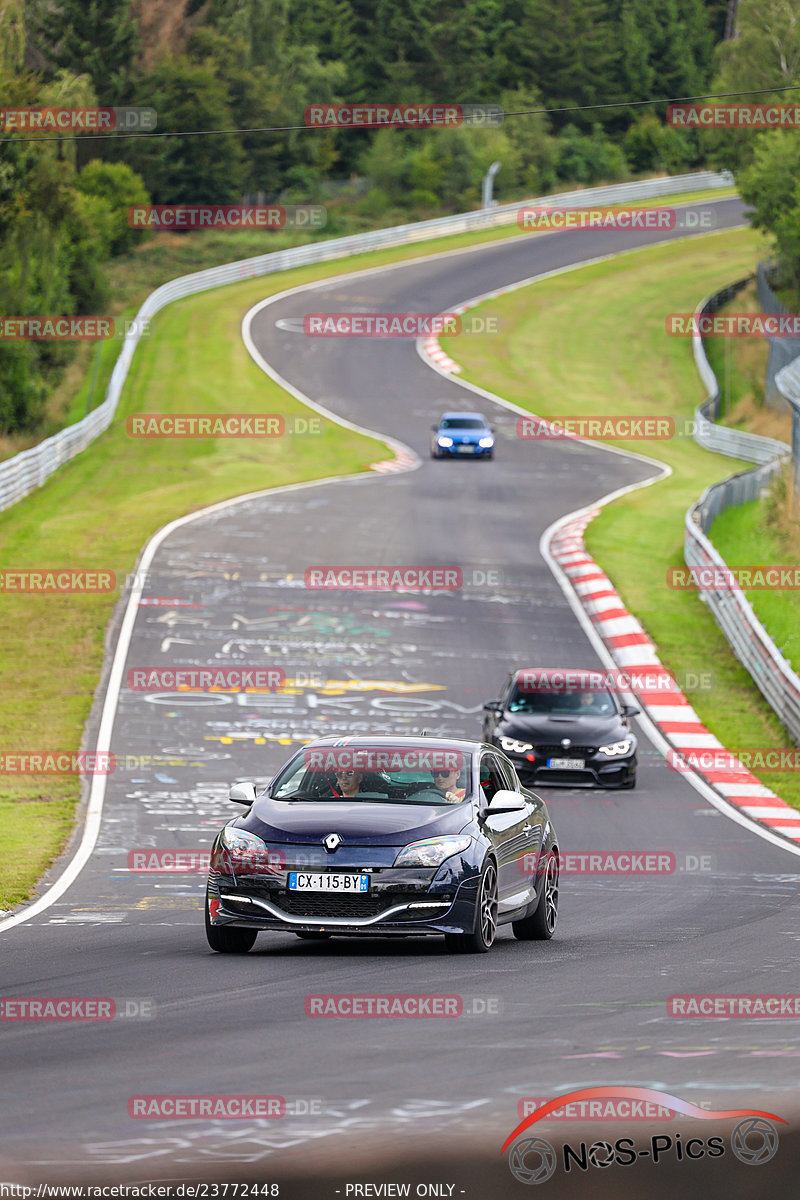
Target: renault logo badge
{"x": 332, "y": 842}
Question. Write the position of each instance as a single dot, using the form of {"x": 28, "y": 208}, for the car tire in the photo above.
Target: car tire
{"x": 541, "y": 925}
{"x": 227, "y": 939}
{"x": 482, "y": 937}
{"x": 308, "y": 936}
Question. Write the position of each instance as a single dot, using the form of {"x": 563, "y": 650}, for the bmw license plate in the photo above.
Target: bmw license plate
{"x": 566, "y": 764}
{"x": 321, "y": 881}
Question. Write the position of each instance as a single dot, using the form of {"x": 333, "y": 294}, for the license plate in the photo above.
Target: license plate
{"x": 566, "y": 764}
{"x": 321, "y": 881}
{"x": 465, "y": 449}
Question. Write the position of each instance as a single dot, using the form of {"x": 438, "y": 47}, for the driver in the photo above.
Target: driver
{"x": 445, "y": 781}
{"x": 348, "y": 782}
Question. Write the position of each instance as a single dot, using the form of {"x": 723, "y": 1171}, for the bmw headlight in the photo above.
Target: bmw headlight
{"x": 432, "y": 852}
{"x": 512, "y": 746}
{"x": 486, "y": 443}
{"x": 616, "y": 748}
{"x": 444, "y": 442}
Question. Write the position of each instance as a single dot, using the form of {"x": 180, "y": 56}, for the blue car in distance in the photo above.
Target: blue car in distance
{"x": 462, "y": 435}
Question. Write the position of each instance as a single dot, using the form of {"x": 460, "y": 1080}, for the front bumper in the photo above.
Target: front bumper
{"x": 463, "y": 451}
{"x": 598, "y": 771}
{"x": 398, "y": 902}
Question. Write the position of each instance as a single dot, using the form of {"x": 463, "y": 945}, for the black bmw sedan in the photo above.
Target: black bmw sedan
{"x": 386, "y": 837}
{"x": 563, "y": 728}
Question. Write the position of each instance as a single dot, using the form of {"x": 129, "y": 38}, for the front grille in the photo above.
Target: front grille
{"x": 318, "y": 905}
{"x": 556, "y": 751}
{"x": 321, "y": 904}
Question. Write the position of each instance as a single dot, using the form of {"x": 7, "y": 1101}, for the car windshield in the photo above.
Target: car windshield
{"x": 560, "y": 703}
{"x": 462, "y": 423}
{"x": 302, "y": 780}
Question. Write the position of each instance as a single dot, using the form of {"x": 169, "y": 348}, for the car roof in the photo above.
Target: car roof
{"x": 466, "y": 745}
{"x": 450, "y": 415}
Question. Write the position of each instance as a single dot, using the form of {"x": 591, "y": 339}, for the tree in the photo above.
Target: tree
{"x": 765, "y": 54}
{"x": 771, "y": 186}
{"x": 93, "y": 37}
{"x": 189, "y": 170}
{"x": 12, "y": 35}
{"x": 120, "y": 188}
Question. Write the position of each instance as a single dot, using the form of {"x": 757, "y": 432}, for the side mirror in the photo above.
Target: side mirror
{"x": 630, "y": 710}
{"x": 492, "y": 706}
{"x": 506, "y": 802}
{"x": 242, "y": 793}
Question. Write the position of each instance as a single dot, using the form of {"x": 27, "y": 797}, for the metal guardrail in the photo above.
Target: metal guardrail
{"x": 28, "y": 470}
{"x": 787, "y": 382}
{"x": 748, "y": 638}
{"x": 782, "y": 350}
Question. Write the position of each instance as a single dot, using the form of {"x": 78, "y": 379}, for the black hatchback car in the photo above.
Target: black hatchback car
{"x": 559, "y": 732}
{"x": 386, "y": 837}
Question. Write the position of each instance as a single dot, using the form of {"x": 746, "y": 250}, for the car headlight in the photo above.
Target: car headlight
{"x": 249, "y": 853}
{"x": 515, "y": 747}
{"x": 432, "y": 852}
{"x": 486, "y": 442}
{"x": 444, "y": 442}
{"x": 616, "y": 748}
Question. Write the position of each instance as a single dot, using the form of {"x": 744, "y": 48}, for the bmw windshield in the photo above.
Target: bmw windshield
{"x": 560, "y": 703}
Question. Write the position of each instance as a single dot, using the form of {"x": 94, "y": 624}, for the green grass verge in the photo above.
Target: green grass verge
{"x": 592, "y": 341}
{"x": 743, "y": 538}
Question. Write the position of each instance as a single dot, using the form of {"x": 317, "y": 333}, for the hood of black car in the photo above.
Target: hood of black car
{"x": 361, "y": 823}
{"x": 582, "y": 731}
